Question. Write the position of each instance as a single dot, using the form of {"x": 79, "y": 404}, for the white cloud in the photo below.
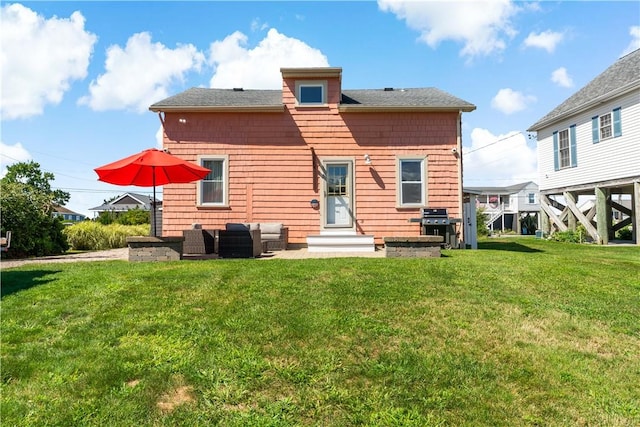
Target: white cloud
{"x": 40, "y": 58}
{"x": 10, "y": 154}
{"x": 634, "y": 32}
{"x": 509, "y": 101}
{"x": 547, "y": 40}
{"x": 258, "y": 25}
{"x": 259, "y": 68}
{"x": 562, "y": 78}
{"x": 159, "y": 138}
{"x": 482, "y": 26}
{"x": 140, "y": 74}
{"x": 499, "y": 160}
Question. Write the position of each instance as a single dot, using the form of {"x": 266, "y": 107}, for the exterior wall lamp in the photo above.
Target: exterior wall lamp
{"x": 315, "y": 204}
{"x": 367, "y": 159}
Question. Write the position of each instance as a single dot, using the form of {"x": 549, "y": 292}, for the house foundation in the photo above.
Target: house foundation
{"x": 560, "y": 212}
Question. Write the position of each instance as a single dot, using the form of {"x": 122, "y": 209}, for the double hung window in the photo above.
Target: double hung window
{"x": 213, "y": 190}
{"x": 605, "y": 126}
{"x": 412, "y": 187}
{"x": 564, "y": 153}
{"x": 564, "y": 148}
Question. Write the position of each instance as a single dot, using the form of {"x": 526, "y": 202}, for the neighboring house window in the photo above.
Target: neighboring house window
{"x": 564, "y": 148}
{"x": 532, "y": 198}
{"x": 311, "y": 93}
{"x": 606, "y": 126}
{"x": 412, "y": 188}
{"x": 213, "y": 190}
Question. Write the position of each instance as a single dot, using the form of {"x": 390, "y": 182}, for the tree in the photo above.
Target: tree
{"x": 481, "y": 222}
{"x": 26, "y": 207}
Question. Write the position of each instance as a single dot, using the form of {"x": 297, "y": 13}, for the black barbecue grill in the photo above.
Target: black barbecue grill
{"x": 435, "y": 216}
{"x": 436, "y": 222}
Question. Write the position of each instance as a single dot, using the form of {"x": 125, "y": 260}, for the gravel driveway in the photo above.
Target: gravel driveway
{"x": 121, "y": 253}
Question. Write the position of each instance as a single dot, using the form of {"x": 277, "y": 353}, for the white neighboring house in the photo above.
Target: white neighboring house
{"x": 514, "y": 207}
{"x": 128, "y": 201}
{"x": 589, "y": 146}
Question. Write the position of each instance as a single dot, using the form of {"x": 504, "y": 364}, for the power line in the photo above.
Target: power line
{"x": 91, "y": 190}
{"x": 493, "y": 143}
{"x": 51, "y": 171}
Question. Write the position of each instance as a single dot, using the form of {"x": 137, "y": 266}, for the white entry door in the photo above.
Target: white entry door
{"x": 338, "y": 195}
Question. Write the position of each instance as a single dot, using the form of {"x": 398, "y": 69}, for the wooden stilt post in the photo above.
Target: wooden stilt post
{"x": 601, "y": 215}
{"x": 635, "y": 205}
{"x": 571, "y": 217}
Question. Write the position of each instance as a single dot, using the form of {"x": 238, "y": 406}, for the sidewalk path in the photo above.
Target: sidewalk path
{"x": 121, "y": 253}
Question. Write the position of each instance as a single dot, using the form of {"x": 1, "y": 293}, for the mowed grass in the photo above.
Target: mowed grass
{"x": 522, "y": 332}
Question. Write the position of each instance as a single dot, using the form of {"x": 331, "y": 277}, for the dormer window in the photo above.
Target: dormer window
{"x": 313, "y": 93}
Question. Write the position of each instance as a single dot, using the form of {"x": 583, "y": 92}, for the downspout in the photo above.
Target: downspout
{"x": 458, "y": 155}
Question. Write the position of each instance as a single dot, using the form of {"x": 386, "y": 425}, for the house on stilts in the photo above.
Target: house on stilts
{"x": 589, "y": 147}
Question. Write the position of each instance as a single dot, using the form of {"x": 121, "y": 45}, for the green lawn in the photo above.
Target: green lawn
{"x": 522, "y": 332}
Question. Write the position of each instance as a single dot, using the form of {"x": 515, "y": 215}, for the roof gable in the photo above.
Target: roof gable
{"x": 128, "y": 201}
{"x": 616, "y": 80}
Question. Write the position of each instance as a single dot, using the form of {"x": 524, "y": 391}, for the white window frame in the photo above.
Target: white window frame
{"x": 423, "y": 182}
{"x": 603, "y": 128}
{"x": 564, "y": 135}
{"x": 225, "y": 187}
{"x": 311, "y": 83}
{"x": 531, "y": 198}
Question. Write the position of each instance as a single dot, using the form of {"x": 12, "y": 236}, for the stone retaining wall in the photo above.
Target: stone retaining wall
{"x": 413, "y": 247}
{"x": 155, "y": 248}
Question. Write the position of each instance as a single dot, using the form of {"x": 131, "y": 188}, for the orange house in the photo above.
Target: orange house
{"x": 327, "y": 163}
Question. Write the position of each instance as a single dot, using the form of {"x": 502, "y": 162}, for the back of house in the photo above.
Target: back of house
{"x": 322, "y": 161}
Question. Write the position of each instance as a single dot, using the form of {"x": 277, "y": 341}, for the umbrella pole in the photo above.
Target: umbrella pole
{"x": 153, "y": 202}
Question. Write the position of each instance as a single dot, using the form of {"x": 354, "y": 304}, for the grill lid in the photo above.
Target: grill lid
{"x": 434, "y": 212}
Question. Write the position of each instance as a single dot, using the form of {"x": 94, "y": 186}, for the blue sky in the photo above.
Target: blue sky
{"x": 78, "y": 77}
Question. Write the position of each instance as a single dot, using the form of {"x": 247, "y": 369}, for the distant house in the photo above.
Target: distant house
{"x": 589, "y": 147}
{"x": 126, "y": 202}
{"x": 67, "y": 214}
{"x": 341, "y": 169}
{"x": 513, "y": 207}
{"x": 129, "y": 201}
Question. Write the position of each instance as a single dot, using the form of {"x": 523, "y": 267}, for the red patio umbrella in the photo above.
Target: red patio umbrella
{"x": 150, "y": 168}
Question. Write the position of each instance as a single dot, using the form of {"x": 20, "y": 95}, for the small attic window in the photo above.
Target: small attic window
{"x": 311, "y": 93}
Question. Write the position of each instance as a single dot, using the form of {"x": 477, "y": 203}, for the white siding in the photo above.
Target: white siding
{"x": 613, "y": 158}
{"x": 522, "y": 199}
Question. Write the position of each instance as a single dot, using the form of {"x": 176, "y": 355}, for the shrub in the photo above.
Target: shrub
{"x": 625, "y": 233}
{"x": 481, "y": 222}
{"x": 90, "y": 235}
{"x": 579, "y": 235}
{"x": 134, "y": 216}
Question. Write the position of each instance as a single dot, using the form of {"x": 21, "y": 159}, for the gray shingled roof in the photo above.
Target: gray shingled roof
{"x": 510, "y": 189}
{"x": 203, "y": 97}
{"x": 414, "y": 97}
{"x": 116, "y": 205}
{"x": 373, "y": 98}
{"x": 620, "y": 77}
